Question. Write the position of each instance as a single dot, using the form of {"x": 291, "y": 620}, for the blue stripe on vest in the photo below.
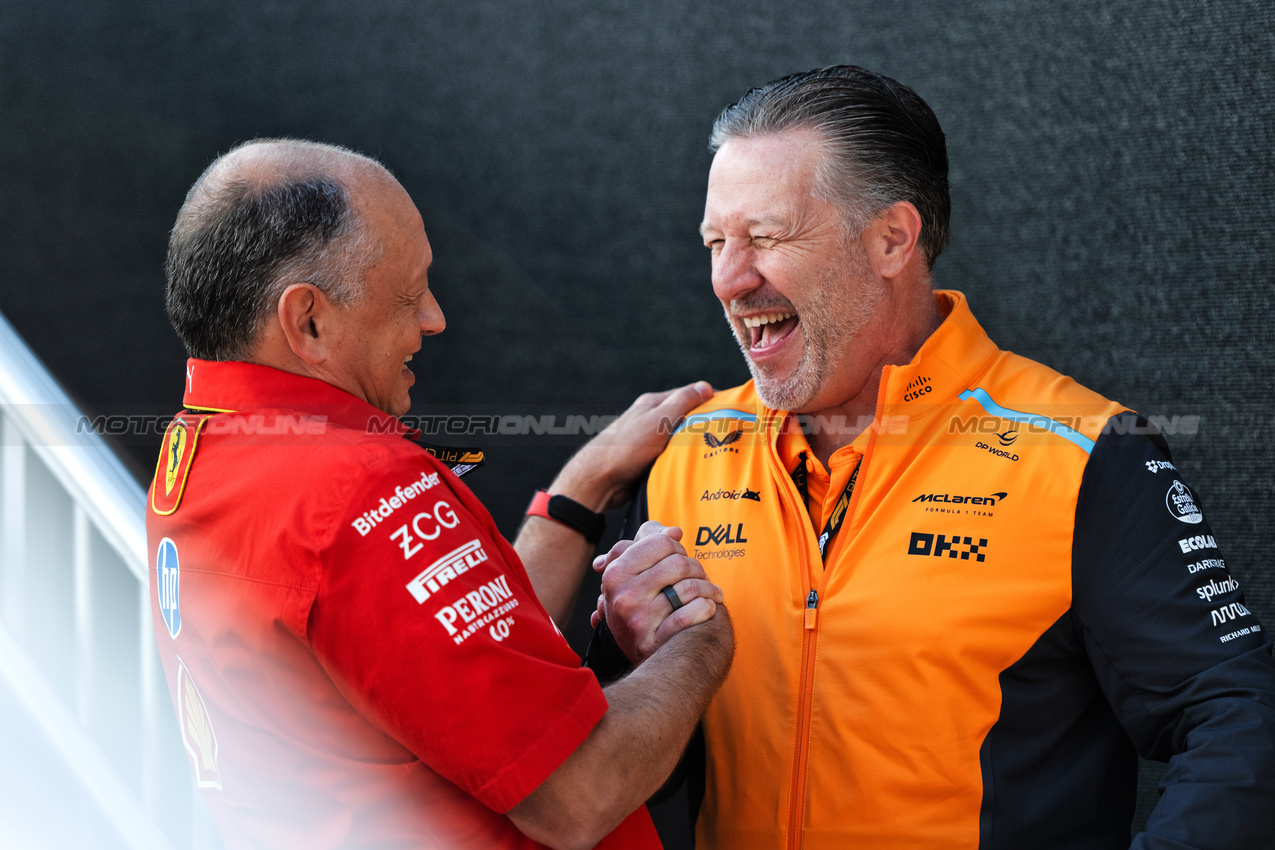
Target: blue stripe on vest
{"x": 715, "y": 415}
{"x": 1034, "y": 419}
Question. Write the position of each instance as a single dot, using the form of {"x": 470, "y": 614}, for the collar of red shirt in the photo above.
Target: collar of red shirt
{"x": 233, "y": 386}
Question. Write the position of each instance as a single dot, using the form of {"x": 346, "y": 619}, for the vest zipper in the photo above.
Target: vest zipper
{"x": 796, "y": 803}
{"x": 810, "y": 634}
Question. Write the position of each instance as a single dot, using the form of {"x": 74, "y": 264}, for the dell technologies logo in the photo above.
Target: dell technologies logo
{"x": 720, "y": 535}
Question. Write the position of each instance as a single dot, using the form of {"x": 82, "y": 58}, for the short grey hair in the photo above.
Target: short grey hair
{"x": 239, "y": 242}
{"x": 882, "y": 143}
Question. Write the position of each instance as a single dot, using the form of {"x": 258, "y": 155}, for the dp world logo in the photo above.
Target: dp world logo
{"x": 166, "y": 585}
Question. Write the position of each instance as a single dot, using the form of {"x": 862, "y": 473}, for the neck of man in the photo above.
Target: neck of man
{"x": 859, "y": 411}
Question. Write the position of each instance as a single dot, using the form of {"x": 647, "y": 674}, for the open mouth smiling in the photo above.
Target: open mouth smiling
{"x": 767, "y": 330}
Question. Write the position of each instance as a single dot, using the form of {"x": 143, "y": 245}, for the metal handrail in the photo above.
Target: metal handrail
{"x": 82, "y": 462}
{"x": 39, "y": 423}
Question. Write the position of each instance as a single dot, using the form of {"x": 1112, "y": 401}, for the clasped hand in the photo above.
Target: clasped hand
{"x": 634, "y": 575}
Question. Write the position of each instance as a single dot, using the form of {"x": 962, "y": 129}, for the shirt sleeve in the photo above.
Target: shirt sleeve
{"x": 426, "y": 621}
{"x": 1184, "y": 663}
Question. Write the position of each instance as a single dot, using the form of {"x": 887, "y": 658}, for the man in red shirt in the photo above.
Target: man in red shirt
{"x": 356, "y": 656}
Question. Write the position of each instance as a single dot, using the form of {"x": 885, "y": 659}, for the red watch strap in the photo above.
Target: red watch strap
{"x": 539, "y": 505}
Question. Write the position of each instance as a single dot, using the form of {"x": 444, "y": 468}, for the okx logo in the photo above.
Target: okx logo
{"x": 954, "y": 546}
{"x": 720, "y": 535}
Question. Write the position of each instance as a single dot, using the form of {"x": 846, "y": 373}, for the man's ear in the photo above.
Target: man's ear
{"x": 304, "y": 315}
{"x": 891, "y": 239}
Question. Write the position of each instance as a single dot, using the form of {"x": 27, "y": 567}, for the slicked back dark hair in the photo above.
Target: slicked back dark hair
{"x": 882, "y": 143}
{"x": 238, "y": 244}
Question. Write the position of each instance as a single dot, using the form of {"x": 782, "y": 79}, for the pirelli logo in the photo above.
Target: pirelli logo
{"x": 955, "y": 546}
{"x": 456, "y": 562}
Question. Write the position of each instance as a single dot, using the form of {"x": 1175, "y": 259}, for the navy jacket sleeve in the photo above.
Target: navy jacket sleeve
{"x": 1183, "y": 662}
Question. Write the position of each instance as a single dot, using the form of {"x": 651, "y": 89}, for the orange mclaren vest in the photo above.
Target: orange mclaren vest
{"x": 861, "y": 692}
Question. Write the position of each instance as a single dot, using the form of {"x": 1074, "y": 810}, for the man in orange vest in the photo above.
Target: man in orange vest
{"x": 969, "y": 590}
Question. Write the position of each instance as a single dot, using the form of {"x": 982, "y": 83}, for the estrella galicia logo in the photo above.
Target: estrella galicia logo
{"x": 722, "y": 445}
{"x": 1181, "y": 503}
{"x": 167, "y": 585}
{"x": 1007, "y": 438}
{"x": 720, "y": 535}
{"x": 956, "y": 546}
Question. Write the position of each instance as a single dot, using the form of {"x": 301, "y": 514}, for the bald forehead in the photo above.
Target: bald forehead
{"x": 273, "y": 161}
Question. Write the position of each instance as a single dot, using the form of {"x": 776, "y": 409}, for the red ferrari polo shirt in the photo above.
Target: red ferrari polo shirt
{"x": 356, "y": 656}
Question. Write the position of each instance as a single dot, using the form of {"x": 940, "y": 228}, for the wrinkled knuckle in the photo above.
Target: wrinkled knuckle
{"x": 610, "y": 582}
{"x": 650, "y": 527}
{"x": 669, "y": 546}
{"x": 625, "y": 604}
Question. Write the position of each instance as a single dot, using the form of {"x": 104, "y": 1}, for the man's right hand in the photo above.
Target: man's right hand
{"x": 634, "y": 574}
{"x": 603, "y": 473}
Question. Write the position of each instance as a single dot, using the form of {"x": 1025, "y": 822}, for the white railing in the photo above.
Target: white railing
{"x": 77, "y": 648}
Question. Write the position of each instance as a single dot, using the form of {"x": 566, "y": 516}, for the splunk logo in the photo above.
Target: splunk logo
{"x": 1217, "y": 588}
{"x": 961, "y": 500}
{"x": 954, "y": 546}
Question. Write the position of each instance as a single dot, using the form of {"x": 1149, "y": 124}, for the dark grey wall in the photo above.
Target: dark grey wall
{"x": 1111, "y": 181}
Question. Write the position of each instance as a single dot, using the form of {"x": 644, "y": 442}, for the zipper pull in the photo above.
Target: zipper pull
{"x": 812, "y": 609}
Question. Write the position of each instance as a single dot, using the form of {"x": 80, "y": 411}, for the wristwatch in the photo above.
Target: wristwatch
{"x": 570, "y": 513}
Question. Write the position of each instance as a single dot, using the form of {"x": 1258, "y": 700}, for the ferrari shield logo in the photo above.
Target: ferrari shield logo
{"x": 176, "y": 453}
{"x": 175, "y": 457}
{"x": 197, "y": 730}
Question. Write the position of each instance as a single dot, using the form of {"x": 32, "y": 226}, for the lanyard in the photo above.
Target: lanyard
{"x": 838, "y": 514}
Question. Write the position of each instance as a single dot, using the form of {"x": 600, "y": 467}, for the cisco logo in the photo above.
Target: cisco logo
{"x": 917, "y": 388}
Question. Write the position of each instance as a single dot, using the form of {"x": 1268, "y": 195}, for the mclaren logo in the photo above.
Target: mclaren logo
{"x": 953, "y": 499}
